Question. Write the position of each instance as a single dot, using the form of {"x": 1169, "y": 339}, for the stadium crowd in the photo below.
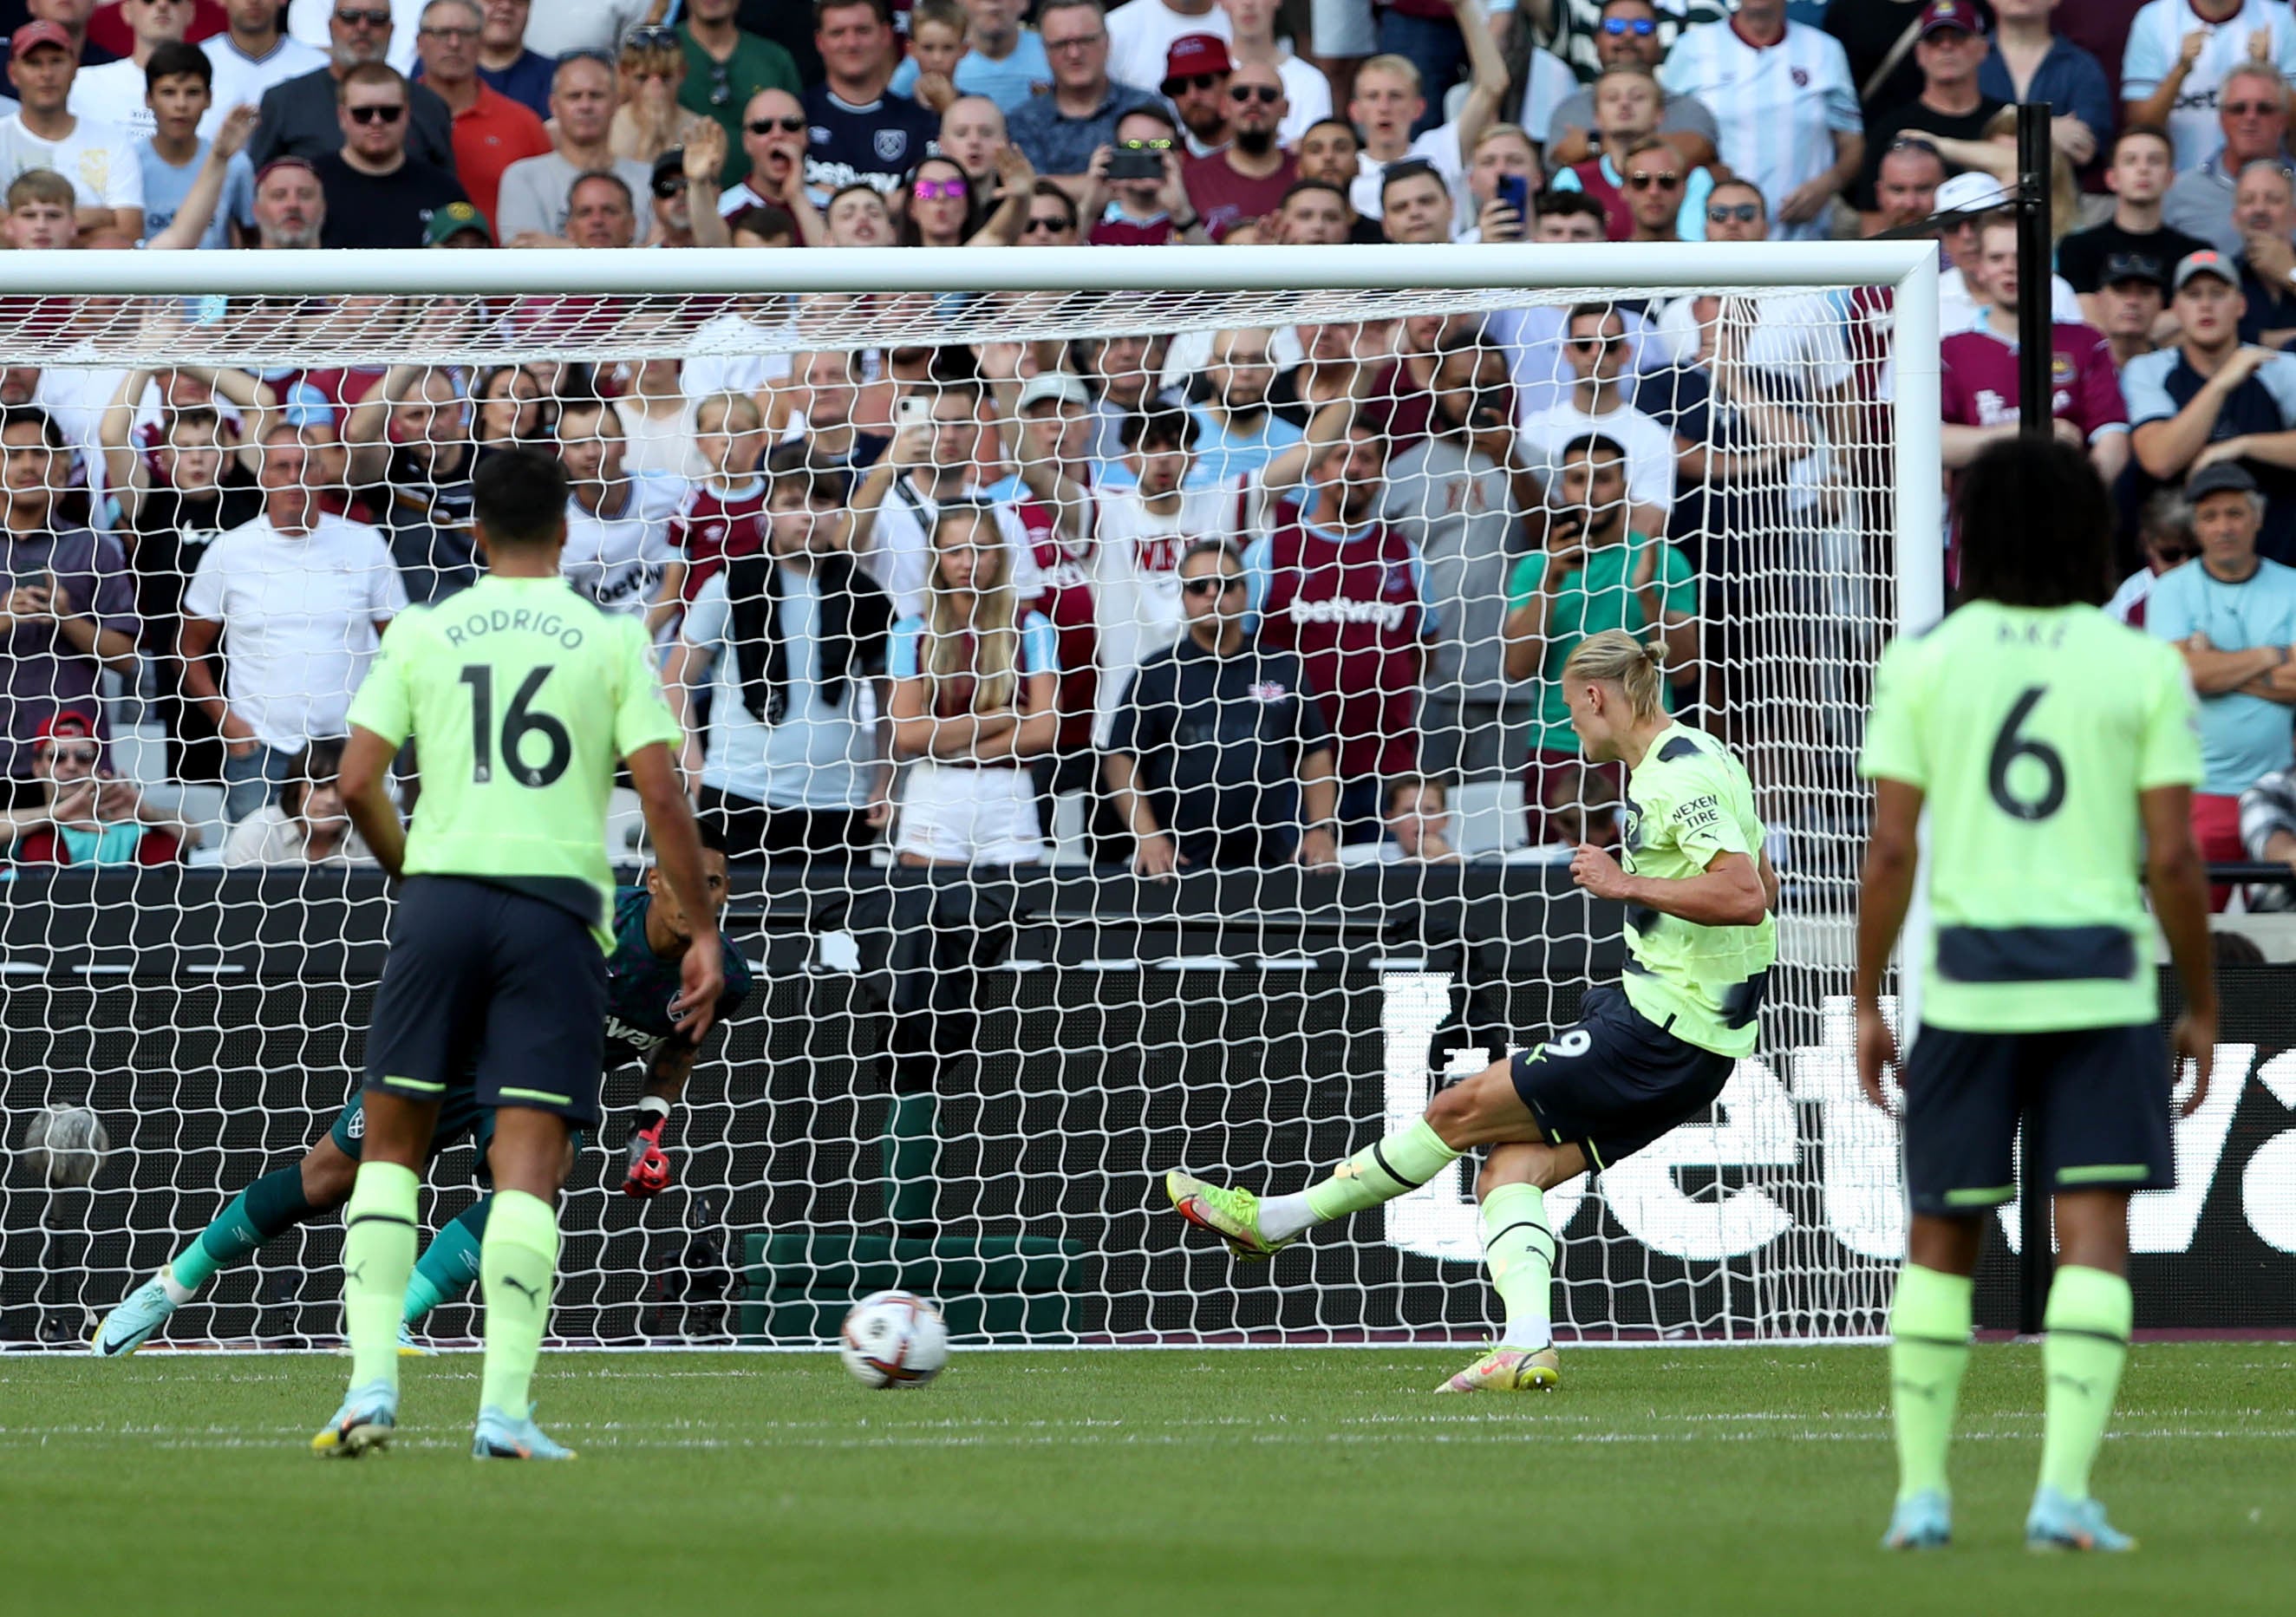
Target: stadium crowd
{"x": 1252, "y": 596}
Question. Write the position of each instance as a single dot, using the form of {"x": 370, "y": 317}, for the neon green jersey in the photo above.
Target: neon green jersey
{"x": 2030, "y": 734}
{"x": 521, "y": 697}
{"x": 1688, "y": 802}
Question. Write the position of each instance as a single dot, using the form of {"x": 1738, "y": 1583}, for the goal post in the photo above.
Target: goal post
{"x": 965, "y": 1072}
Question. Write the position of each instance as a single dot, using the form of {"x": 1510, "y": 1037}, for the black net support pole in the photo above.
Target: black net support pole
{"x": 2035, "y": 392}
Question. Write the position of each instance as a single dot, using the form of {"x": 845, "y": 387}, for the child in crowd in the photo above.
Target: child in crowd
{"x": 725, "y": 515}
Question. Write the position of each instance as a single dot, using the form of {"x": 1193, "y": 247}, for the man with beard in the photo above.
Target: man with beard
{"x": 1237, "y": 433}
{"x": 1247, "y": 177}
{"x": 1195, "y": 81}
{"x": 1331, "y": 152}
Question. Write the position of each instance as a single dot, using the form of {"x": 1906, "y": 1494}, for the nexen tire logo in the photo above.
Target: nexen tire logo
{"x": 1861, "y": 1187}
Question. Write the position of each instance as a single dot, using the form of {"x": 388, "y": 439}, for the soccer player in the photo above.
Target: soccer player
{"x": 2057, "y": 750}
{"x": 522, "y": 697}
{"x": 1646, "y": 1054}
{"x": 650, "y": 940}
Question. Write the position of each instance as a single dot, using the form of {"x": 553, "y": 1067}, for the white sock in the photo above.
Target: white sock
{"x": 1529, "y": 1336}
{"x": 1281, "y": 1218}
{"x": 178, "y": 1294}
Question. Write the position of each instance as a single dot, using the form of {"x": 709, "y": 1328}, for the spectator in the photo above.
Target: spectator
{"x": 1252, "y": 30}
{"x": 1969, "y": 198}
{"x": 723, "y": 514}
{"x": 1237, "y": 435}
{"x": 2129, "y": 305}
{"x": 2165, "y": 540}
{"x": 860, "y": 132}
{"x": 2029, "y": 60}
{"x": 291, "y": 209}
{"x": 301, "y": 116}
{"x": 1503, "y": 153}
{"x": 773, "y": 144}
{"x": 1330, "y": 154}
{"x": 114, "y": 92}
{"x": 1459, "y": 496}
{"x": 563, "y": 25}
{"x": 69, "y": 610}
{"x": 1003, "y": 62}
{"x": 378, "y": 195}
{"x": 1415, "y": 820}
{"x": 537, "y": 194}
{"x": 1600, "y": 570}
{"x": 1581, "y": 805}
{"x": 1415, "y": 203}
{"x": 40, "y": 205}
{"x": 941, "y": 208}
{"x": 972, "y": 134}
{"x": 659, "y": 424}
{"x": 1196, "y": 82}
{"x": 491, "y": 131}
{"x": 308, "y": 21}
{"x": 307, "y": 826}
{"x": 930, "y": 464}
{"x": 1148, "y": 210}
{"x": 1905, "y": 186}
{"x": 510, "y": 409}
{"x": 1061, "y": 129}
{"x": 1981, "y": 381}
{"x": 1594, "y": 343}
{"x": 1312, "y": 214}
{"x": 506, "y": 64}
{"x": 618, "y": 551}
{"x": 1141, "y": 34}
{"x": 685, "y": 187}
{"x": 411, "y": 450}
{"x": 1219, "y": 755}
{"x": 254, "y": 53}
{"x": 786, "y": 761}
{"x": 2182, "y": 57}
{"x": 1389, "y": 103}
{"x": 2268, "y": 832}
{"x": 2208, "y": 399}
{"x": 300, "y": 597}
{"x": 2253, "y": 113}
{"x": 2232, "y": 614}
{"x": 82, "y": 815}
{"x": 1628, "y": 36}
{"x": 98, "y": 159}
{"x": 1333, "y": 581}
{"x": 974, "y": 697}
{"x": 2138, "y": 178}
{"x": 73, "y": 16}
{"x": 650, "y": 69}
{"x": 1625, "y": 119}
{"x": 936, "y": 44}
{"x": 726, "y": 67}
{"x": 2263, "y": 211}
{"x": 1949, "y": 47}
{"x": 823, "y": 407}
{"x": 1781, "y": 94}
{"x": 209, "y": 187}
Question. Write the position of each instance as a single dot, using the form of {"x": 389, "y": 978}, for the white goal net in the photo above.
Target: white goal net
{"x": 1125, "y": 691}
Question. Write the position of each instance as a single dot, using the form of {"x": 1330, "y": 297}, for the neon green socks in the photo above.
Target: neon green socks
{"x": 1928, "y": 1348}
{"x": 1519, "y": 1249}
{"x": 2088, "y": 1320}
{"x": 378, "y": 1255}
{"x": 517, "y": 1263}
{"x": 1381, "y": 1171}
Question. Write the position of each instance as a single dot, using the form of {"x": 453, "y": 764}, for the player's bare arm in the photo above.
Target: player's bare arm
{"x": 2176, "y": 881}
{"x": 1733, "y": 892}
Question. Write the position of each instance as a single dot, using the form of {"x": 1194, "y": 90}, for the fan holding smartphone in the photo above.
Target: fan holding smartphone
{"x": 1136, "y": 198}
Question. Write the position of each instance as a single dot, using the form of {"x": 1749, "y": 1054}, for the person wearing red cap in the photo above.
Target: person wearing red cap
{"x": 1141, "y": 34}
{"x": 98, "y": 159}
{"x": 1196, "y": 71}
{"x": 1247, "y": 177}
{"x": 1950, "y": 48}
{"x": 84, "y": 815}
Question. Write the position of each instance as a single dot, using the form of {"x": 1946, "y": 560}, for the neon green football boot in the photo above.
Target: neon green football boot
{"x": 1510, "y": 1370}
{"x": 1232, "y": 1215}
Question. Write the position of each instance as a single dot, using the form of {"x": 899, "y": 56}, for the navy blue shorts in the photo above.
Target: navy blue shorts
{"x": 2098, "y": 1100}
{"x": 460, "y": 1118}
{"x": 490, "y": 997}
{"x": 1616, "y": 1081}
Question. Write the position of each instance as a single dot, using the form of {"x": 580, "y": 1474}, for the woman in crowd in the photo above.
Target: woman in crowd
{"x": 308, "y": 825}
{"x": 511, "y": 409}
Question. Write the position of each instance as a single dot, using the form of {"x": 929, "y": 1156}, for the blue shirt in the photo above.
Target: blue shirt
{"x": 2069, "y": 79}
{"x": 1222, "y": 454}
{"x": 2243, "y": 738}
{"x": 1057, "y": 143}
{"x": 164, "y": 187}
{"x": 1007, "y": 83}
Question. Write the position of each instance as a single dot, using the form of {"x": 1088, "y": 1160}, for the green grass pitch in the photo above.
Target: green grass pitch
{"x": 1109, "y": 1483}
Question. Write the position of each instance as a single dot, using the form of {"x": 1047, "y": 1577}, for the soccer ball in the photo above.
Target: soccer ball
{"x": 894, "y": 1339}
{"x": 65, "y": 1145}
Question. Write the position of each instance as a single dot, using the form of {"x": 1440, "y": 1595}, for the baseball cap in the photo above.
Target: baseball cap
{"x": 21, "y": 43}
{"x": 1193, "y": 53}
{"x": 2120, "y": 267}
{"x": 453, "y": 220}
{"x": 2208, "y": 261}
{"x": 1939, "y": 15}
{"x": 1061, "y": 386}
{"x": 2224, "y": 476}
{"x": 1971, "y": 193}
{"x": 69, "y": 724}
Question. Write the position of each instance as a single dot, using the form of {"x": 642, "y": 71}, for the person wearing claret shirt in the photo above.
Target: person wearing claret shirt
{"x": 1147, "y": 211}
{"x": 724, "y": 515}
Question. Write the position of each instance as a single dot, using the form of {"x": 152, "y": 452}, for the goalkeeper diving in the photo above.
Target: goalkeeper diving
{"x": 1647, "y": 1055}
{"x": 641, "y": 979}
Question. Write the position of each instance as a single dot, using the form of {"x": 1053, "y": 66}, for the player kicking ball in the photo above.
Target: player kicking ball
{"x": 520, "y": 697}
{"x": 1647, "y": 1055}
{"x": 650, "y": 932}
{"x": 2057, "y": 750}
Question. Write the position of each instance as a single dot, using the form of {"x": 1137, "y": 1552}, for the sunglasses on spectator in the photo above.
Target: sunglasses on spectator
{"x": 1619, "y": 27}
{"x": 650, "y": 36}
{"x": 2250, "y": 108}
{"x": 766, "y": 126}
{"x": 1723, "y": 213}
{"x": 377, "y": 18}
{"x": 84, "y": 754}
{"x": 669, "y": 186}
{"x": 1584, "y": 343}
{"x": 721, "y": 84}
{"x": 938, "y": 191}
{"x": 1266, "y": 94}
{"x": 1193, "y": 81}
{"x": 390, "y": 114}
{"x": 1668, "y": 180}
{"x": 1143, "y": 145}
{"x": 1075, "y": 42}
{"x": 1201, "y": 587}
{"x": 1047, "y": 224}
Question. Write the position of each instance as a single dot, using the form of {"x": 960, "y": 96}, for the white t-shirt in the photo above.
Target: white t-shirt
{"x": 900, "y": 547}
{"x": 2156, "y": 38}
{"x": 556, "y": 27}
{"x": 1439, "y": 146}
{"x": 298, "y": 617}
{"x": 268, "y": 837}
{"x": 1959, "y": 309}
{"x": 306, "y": 20}
{"x": 619, "y": 561}
{"x": 1778, "y": 108}
{"x": 735, "y": 354}
{"x": 240, "y": 79}
{"x": 1140, "y": 35}
{"x": 1306, "y": 91}
{"x": 1649, "y": 447}
{"x": 113, "y": 93}
{"x": 661, "y": 445}
{"x": 818, "y": 757}
{"x": 98, "y": 159}
{"x": 1135, "y": 576}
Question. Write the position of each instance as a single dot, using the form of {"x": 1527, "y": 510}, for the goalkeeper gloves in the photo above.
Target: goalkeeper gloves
{"x": 649, "y": 1172}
